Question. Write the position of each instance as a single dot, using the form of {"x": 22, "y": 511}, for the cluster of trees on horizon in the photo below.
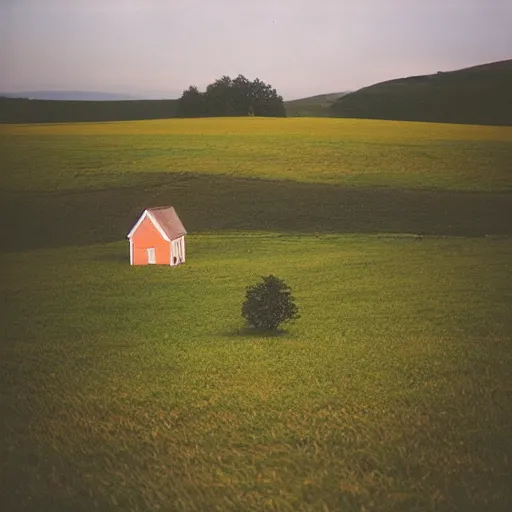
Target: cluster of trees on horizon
{"x": 227, "y": 97}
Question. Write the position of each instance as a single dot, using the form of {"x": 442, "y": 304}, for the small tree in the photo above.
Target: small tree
{"x": 268, "y": 304}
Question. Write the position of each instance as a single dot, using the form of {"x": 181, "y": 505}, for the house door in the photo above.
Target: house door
{"x": 151, "y": 255}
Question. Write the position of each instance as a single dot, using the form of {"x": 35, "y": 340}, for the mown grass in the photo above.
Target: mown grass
{"x": 334, "y": 151}
{"x": 138, "y": 389}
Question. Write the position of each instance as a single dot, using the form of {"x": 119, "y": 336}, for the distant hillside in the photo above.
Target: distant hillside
{"x": 46, "y": 111}
{"x": 70, "y": 95}
{"x": 313, "y": 106}
{"x": 476, "y": 95}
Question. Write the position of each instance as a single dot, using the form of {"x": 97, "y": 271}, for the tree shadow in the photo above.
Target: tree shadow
{"x": 249, "y": 332}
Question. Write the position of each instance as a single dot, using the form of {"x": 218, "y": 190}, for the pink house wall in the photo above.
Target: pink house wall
{"x": 147, "y": 237}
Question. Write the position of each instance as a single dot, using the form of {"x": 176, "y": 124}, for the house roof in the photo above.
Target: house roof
{"x": 166, "y": 221}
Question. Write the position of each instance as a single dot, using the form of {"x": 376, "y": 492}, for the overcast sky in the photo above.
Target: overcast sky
{"x": 301, "y": 47}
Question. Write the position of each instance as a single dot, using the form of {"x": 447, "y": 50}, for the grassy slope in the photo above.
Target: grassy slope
{"x": 136, "y": 388}
{"x": 479, "y": 95}
{"x": 313, "y": 106}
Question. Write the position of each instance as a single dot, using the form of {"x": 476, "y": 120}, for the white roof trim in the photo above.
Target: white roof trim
{"x": 137, "y": 224}
{"x": 155, "y": 223}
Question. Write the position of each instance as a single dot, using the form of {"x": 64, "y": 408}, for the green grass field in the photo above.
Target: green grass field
{"x": 138, "y": 388}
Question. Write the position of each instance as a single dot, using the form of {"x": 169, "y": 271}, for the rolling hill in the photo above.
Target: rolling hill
{"x": 313, "y": 106}
{"x": 19, "y": 110}
{"x": 476, "y": 95}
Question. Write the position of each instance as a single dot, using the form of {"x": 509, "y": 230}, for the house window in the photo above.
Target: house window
{"x": 151, "y": 255}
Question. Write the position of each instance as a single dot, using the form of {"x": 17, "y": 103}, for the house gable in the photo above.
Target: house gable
{"x": 155, "y": 223}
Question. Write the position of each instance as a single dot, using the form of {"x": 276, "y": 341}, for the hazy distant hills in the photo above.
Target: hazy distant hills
{"x": 70, "y": 95}
{"x": 476, "y": 95}
{"x": 313, "y": 106}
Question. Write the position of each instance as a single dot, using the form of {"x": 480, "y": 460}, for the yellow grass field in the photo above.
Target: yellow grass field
{"x": 331, "y": 151}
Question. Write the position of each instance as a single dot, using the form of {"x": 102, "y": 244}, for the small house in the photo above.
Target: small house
{"x": 158, "y": 237}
